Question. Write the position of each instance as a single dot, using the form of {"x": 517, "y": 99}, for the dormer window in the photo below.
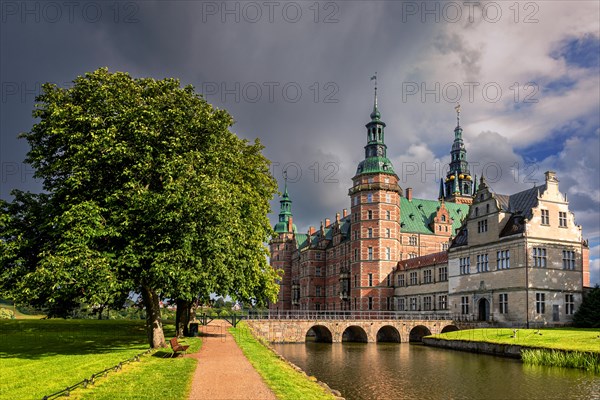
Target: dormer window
{"x": 443, "y": 218}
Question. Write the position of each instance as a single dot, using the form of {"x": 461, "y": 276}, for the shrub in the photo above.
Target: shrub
{"x": 588, "y": 313}
{"x": 5, "y": 313}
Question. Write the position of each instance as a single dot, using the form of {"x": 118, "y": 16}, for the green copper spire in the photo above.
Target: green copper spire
{"x": 441, "y": 195}
{"x": 376, "y": 160}
{"x": 458, "y": 179}
{"x": 285, "y": 210}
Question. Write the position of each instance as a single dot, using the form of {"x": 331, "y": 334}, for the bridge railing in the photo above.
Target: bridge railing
{"x": 350, "y": 315}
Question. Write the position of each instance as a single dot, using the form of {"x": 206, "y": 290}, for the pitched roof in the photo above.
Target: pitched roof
{"x": 416, "y": 214}
{"x": 423, "y": 261}
{"x": 521, "y": 202}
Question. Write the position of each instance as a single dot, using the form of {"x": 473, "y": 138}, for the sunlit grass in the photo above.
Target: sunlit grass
{"x": 40, "y": 357}
{"x": 586, "y": 340}
{"x": 557, "y": 358}
{"x": 284, "y": 381}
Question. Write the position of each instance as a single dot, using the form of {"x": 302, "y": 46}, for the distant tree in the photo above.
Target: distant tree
{"x": 146, "y": 189}
{"x": 588, "y": 313}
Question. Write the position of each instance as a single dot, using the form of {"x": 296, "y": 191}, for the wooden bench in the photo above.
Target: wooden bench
{"x": 176, "y": 347}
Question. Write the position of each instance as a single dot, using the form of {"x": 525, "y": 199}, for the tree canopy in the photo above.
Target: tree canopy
{"x": 146, "y": 189}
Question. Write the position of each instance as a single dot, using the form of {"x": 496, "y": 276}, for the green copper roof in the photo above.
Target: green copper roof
{"x": 417, "y": 214}
{"x": 373, "y": 165}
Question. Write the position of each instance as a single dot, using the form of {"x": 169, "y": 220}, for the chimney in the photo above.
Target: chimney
{"x": 311, "y": 230}
{"x": 290, "y": 225}
{"x": 551, "y": 176}
{"x": 409, "y": 194}
{"x": 345, "y": 213}
{"x": 327, "y": 222}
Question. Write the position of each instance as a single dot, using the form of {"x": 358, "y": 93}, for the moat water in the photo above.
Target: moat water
{"x": 414, "y": 371}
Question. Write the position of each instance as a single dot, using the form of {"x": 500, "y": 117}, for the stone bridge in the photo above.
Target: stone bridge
{"x": 348, "y": 329}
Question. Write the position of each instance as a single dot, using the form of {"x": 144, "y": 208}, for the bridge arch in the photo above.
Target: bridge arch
{"x": 417, "y": 333}
{"x": 355, "y": 333}
{"x": 388, "y": 334}
{"x": 449, "y": 328}
{"x": 319, "y": 333}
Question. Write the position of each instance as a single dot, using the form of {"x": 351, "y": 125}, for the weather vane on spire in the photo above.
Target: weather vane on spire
{"x": 374, "y": 78}
{"x": 457, "y": 108}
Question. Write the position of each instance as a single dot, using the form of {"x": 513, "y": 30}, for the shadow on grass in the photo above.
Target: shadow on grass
{"x": 36, "y": 339}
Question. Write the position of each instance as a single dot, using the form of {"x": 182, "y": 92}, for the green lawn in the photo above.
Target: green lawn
{"x": 284, "y": 381}
{"x": 587, "y": 340}
{"x": 40, "y": 357}
{"x": 18, "y": 314}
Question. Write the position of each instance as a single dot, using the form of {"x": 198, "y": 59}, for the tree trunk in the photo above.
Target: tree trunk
{"x": 182, "y": 318}
{"x": 154, "y": 329}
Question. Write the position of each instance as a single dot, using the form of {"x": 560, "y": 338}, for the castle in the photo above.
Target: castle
{"x": 471, "y": 253}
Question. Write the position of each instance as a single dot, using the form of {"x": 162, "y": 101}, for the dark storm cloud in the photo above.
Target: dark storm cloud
{"x": 298, "y": 82}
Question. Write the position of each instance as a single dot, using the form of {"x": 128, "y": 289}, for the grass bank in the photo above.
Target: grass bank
{"x": 284, "y": 381}
{"x": 40, "y": 357}
{"x": 570, "y": 339}
{"x": 563, "y": 347}
{"x": 574, "y": 359}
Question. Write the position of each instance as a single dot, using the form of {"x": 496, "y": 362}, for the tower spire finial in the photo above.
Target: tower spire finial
{"x": 457, "y": 108}
{"x": 285, "y": 181}
{"x": 374, "y": 78}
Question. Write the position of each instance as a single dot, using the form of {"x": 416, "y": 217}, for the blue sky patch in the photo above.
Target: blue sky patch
{"x": 583, "y": 52}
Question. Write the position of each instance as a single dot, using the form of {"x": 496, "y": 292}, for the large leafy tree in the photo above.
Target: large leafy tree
{"x": 147, "y": 189}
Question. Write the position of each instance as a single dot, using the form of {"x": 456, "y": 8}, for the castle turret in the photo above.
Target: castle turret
{"x": 459, "y": 183}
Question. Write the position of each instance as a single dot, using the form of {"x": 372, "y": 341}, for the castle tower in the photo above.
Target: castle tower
{"x": 458, "y": 186}
{"x": 281, "y": 250}
{"x": 375, "y": 228}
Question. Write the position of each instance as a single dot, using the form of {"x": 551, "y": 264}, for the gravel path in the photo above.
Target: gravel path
{"x": 223, "y": 372}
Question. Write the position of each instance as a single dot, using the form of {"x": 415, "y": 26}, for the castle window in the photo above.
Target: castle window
{"x": 476, "y": 211}
{"x": 482, "y": 263}
{"x": 401, "y": 280}
{"x": 413, "y": 304}
{"x": 412, "y": 255}
{"x": 370, "y": 233}
{"x": 318, "y": 256}
{"x": 445, "y": 246}
{"x": 465, "y": 265}
{"x": 487, "y": 208}
{"x": 443, "y": 218}
{"x": 442, "y": 274}
{"x": 562, "y": 219}
{"x": 369, "y": 198}
{"x": 370, "y": 303}
{"x": 412, "y": 241}
{"x": 427, "y": 276}
{"x": 545, "y": 217}
{"x": 388, "y": 232}
{"x": 503, "y": 302}
{"x": 277, "y": 257}
{"x": 401, "y": 305}
{"x": 355, "y": 254}
{"x": 370, "y": 280}
{"x": 568, "y": 259}
{"x": 388, "y": 215}
{"x": 427, "y": 303}
{"x": 369, "y": 214}
{"x": 370, "y": 253}
{"x": 413, "y": 278}
{"x": 464, "y": 305}
{"x": 388, "y": 198}
{"x": 356, "y": 200}
{"x": 442, "y": 302}
{"x": 388, "y": 253}
{"x": 355, "y": 281}
{"x": 482, "y": 226}
{"x": 355, "y": 217}
{"x": 318, "y": 271}
{"x": 389, "y": 280}
{"x": 539, "y": 257}
{"x": 386, "y": 180}
{"x": 569, "y": 304}
{"x": 540, "y": 303}
{"x": 503, "y": 259}
{"x": 318, "y": 291}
